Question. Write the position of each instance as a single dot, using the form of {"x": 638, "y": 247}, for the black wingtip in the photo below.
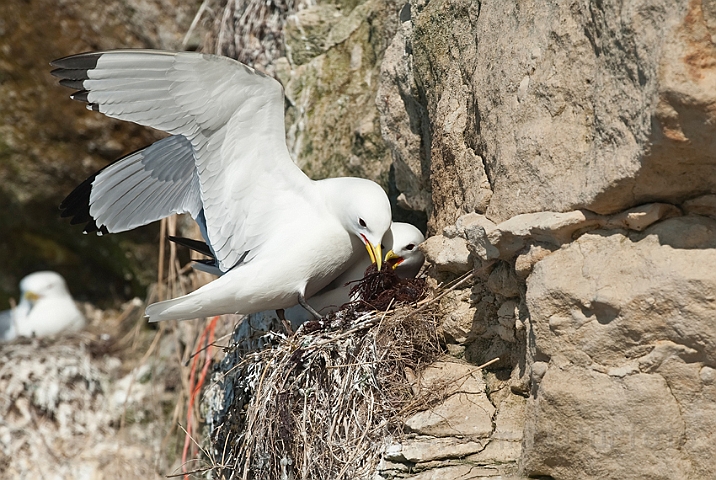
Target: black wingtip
{"x": 79, "y": 61}
{"x": 73, "y": 71}
{"x": 76, "y": 204}
{"x": 72, "y": 83}
{"x": 209, "y": 262}
{"x": 196, "y": 245}
{"x": 80, "y": 96}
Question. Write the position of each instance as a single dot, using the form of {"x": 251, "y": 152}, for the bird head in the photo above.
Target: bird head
{"x": 403, "y": 255}
{"x": 42, "y": 285}
{"x": 367, "y": 214}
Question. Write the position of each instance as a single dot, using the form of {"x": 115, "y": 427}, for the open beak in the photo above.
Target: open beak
{"x": 375, "y": 254}
{"x": 392, "y": 259}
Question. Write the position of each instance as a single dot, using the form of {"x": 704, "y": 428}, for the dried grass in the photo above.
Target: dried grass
{"x": 319, "y": 405}
{"x": 250, "y": 31}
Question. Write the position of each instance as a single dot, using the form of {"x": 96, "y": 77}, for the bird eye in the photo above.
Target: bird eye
{"x": 410, "y": 246}
{"x": 361, "y": 222}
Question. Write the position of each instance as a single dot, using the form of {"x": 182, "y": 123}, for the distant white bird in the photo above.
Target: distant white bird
{"x": 279, "y": 236}
{"x": 46, "y": 308}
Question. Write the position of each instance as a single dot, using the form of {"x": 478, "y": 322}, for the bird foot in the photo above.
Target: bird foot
{"x": 302, "y": 301}
{"x": 286, "y": 324}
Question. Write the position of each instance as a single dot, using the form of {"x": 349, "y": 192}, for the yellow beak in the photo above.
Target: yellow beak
{"x": 33, "y": 297}
{"x": 375, "y": 254}
{"x": 392, "y": 256}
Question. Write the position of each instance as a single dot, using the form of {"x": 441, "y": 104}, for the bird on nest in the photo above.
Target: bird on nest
{"x": 403, "y": 256}
{"x": 45, "y": 308}
{"x": 278, "y": 237}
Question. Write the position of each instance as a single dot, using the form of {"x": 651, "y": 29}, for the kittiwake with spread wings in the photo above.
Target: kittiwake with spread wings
{"x": 278, "y": 236}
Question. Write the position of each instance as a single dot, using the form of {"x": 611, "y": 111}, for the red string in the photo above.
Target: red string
{"x": 194, "y": 389}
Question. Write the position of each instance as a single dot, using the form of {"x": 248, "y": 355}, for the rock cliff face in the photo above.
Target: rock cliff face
{"x": 566, "y": 106}
{"x": 563, "y": 155}
{"x": 569, "y": 163}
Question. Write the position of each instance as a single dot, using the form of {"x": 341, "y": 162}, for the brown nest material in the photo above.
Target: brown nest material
{"x": 319, "y": 405}
{"x": 379, "y": 290}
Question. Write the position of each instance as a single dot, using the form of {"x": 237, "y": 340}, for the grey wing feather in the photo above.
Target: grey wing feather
{"x": 233, "y": 116}
{"x": 147, "y": 186}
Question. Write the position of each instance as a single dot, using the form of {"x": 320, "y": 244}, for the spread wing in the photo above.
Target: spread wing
{"x": 140, "y": 188}
{"x": 231, "y": 115}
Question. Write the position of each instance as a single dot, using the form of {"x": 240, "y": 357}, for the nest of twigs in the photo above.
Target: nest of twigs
{"x": 379, "y": 290}
{"x": 320, "y": 404}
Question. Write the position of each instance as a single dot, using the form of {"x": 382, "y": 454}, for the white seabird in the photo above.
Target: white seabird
{"x": 45, "y": 308}
{"x": 278, "y": 236}
{"x": 403, "y": 255}
{"x": 401, "y": 240}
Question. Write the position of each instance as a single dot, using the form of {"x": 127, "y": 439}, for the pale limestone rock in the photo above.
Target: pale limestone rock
{"x": 689, "y": 232}
{"x": 583, "y": 424}
{"x": 491, "y": 338}
{"x": 479, "y": 244}
{"x": 525, "y": 262}
{"x": 638, "y": 218}
{"x": 568, "y": 105}
{"x": 466, "y": 411}
{"x": 707, "y": 375}
{"x": 453, "y": 377}
{"x": 552, "y": 228}
{"x": 504, "y": 281}
{"x": 507, "y": 315}
{"x": 404, "y": 122}
{"x": 671, "y": 305}
{"x": 469, "y": 220}
{"x": 393, "y": 453}
{"x": 505, "y": 444}
{"x": 426, "y": 449}
{"x": 391, "y": 468}
{"x": 703, "y": 205}
{"x": 447, "y": 254}
{"x": 538, "y": 371}
{"x": 497, "y": 452}
{"x": 663, "y": 350}
{"x": 460, "y": 472}
{"x": 458, "y": 323}
{"x": 460, "y": 414}
{"x": 508, "y": 310}
{"x": 624, "y": 339}
{"x": 506, "y": 239}
{"x": 577, "y": 113}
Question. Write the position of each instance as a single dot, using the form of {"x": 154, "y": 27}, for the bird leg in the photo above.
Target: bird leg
{"x": 309, "y": 309}
{"x": 286, "y": 323}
